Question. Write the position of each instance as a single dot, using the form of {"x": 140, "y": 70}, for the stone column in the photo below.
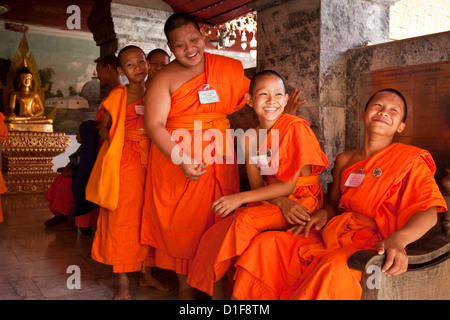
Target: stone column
{"x": 117, "y": 23}
{"x": 305, "y": 41}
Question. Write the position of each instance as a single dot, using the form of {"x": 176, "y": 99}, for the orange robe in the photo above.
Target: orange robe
{"x": 3, "y": 136}
{"x": 117, "y": 185}
{"x": 90, "y": 219}
{"x": 231, "y": 236}
{"x": 278, "y": 265}
{"x": 177, "y": 211}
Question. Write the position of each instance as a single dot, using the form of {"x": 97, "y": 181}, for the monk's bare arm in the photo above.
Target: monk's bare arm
{"x": 157, "y": 103}
{"x": 394, "y": 245}
{"x": 105, "y": 126}
{"x": 330, "y": 208}
{"x": 157, "y": 108}
{"x": 227, "y": 204}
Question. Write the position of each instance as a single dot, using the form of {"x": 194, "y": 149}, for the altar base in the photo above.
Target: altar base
{"x": 28, "y": 160}
{"x": 42, "y": 126}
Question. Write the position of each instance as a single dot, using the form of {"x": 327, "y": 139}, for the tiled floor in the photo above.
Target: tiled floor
{"x": 34, "y": 261}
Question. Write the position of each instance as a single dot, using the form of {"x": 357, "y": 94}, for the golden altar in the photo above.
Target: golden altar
{"x": 31, "y": 145}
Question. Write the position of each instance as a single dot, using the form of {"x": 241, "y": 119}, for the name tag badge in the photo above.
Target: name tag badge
{"x": 260, "y": 161}
{"x": 354, "y": 180}
{"x": 208, "y": 94}
{"x": 139, "y": 109}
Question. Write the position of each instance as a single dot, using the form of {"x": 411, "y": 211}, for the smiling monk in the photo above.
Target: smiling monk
{"x": 196, "y": 86}
{"x": 383, "y": 197}
{"x": 284, "y": 177}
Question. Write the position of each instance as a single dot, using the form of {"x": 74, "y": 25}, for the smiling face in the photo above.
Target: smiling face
{"x": 268, "y": 98}
{"x": 385, "y": 113}
{"x": 188, "y": 45}
{"x": 156, "y": 62}
{"x": 133, "y": 65}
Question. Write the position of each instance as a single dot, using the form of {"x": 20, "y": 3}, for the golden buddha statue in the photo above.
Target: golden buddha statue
{"x": 30, "y": 103}
{"x": 23, "y": 96}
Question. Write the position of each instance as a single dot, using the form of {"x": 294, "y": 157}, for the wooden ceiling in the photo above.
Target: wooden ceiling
{"x": 52, "y": 13}
{"x": 213, "y": 12}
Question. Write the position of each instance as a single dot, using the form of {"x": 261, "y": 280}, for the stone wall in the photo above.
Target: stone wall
{"x": 306, "y": 41}
{"x": 115, "y": 25}
{"x": 409, "y": 52}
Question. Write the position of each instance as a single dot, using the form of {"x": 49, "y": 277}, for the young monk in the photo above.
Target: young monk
{"x": 383, "y": 197}
{"x": 177, "y": 209}
{"x": 288, "y": 177}
{"x": 118, "y": 178}
{"x": 156, "y": 59}
{"x": 109, "y": 78}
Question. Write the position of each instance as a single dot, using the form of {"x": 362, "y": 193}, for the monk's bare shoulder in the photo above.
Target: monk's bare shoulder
{"x": 174, "y": 75}
{"x": 345, "y": 160}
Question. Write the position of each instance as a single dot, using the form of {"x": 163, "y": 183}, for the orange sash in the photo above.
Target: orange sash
{"x": 103, "y": 185}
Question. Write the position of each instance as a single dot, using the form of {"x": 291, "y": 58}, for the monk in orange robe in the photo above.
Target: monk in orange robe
{"x": 177, "y": 209}
{"x": 117, "y": 179}
{"x": 3, "y": 136}
{"x": 290, "y": 172}
{"x": 383, "y": 197}
{"x": 109, "y": 78}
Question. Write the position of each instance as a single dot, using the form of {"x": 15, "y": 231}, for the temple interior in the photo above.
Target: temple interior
{"x": 337, "y": 52}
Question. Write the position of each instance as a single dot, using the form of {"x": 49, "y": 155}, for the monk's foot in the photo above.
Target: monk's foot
{"x": 185, "y": 291}
{"x": 86, "y": 231}
{"x": 123, "y": 290}
{"x": 68, "y": 225}
{"x": 56, "y": 220}
{"x": 148, "y": 280}
{"x": 187, "y": 294}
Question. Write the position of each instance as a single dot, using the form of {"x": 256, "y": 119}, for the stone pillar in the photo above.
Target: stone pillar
{"x": 305, "y": 41}
{"x": 116, "y": 23}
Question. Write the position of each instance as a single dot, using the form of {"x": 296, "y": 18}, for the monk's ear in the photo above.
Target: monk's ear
{"x": 401, "y": 127}
{"x": 249, "y": 99}
{"x": 286, "y": 99}
{"x": 120, "y": 71}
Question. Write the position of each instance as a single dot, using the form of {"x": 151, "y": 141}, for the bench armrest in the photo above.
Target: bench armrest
{"x": 430, "y": 250}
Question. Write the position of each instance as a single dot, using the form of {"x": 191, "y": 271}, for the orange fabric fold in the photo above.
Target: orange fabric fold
{"x": 103, "y": 185}
{"x": 230, "y": 237}
{"x": 141, "y": 137}
{"x": 205, "y": 129}
{"x": 280, "y": 266}
{"x": 171, "y": 223}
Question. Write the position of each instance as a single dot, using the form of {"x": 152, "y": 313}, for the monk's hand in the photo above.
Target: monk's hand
{"x": 294, "y": 213}
{"x": 318, "y": 221}
{"x": 396, "y": 259}
{"x": 227, "y": 204}
{"x": 294, "y": 102}
{"x": 193, "y": 171}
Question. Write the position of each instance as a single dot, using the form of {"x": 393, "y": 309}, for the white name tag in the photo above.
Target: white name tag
{"x": 260, "y": 161}
{"x": 354, "y": 180}
{"x": 207, "y": 94}
{"x": 139, "y": 109}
